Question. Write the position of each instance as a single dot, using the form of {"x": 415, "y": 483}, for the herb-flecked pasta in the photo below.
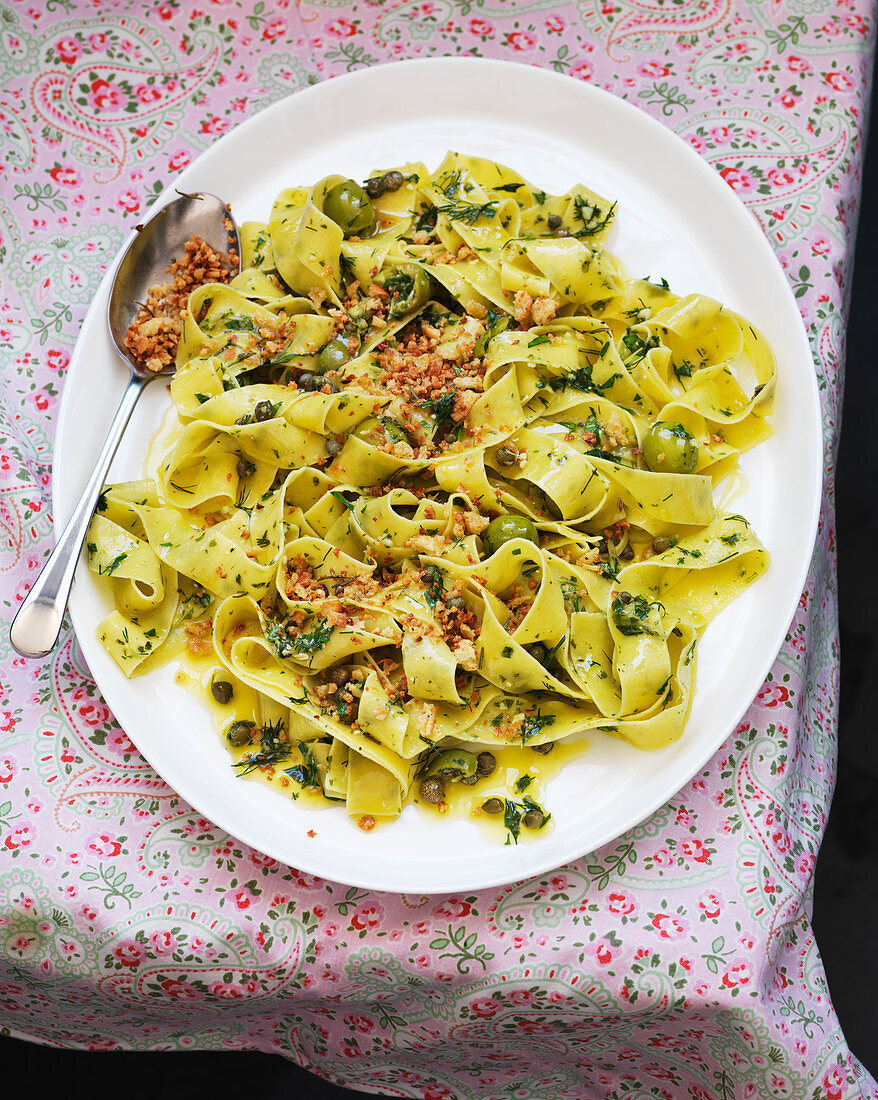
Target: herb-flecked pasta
{"x": 441, "y": 481}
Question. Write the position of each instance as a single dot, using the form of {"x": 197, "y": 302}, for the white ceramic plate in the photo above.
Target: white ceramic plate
{"x": 676, "y": 219}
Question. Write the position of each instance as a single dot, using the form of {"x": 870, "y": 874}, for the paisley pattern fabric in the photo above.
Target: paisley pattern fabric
{"x": 678, "y": 960}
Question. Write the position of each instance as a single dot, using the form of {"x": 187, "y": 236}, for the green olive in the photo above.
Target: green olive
{"x": 349, "y": 207}
{"x": 670, "y": 448}
{"x": 379, "y": 431}
{"x": 454, "y": 764}
{"x": 508, "y": 527}
{"x": 333, "y": 355}
{"x": 408, "y": 286}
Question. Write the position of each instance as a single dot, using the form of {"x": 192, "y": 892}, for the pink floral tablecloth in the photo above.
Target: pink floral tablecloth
{"x": 677, "y": 961}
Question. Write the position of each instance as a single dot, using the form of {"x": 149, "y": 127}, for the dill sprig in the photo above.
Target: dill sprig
{"x": 468, "y": 212}
{"x": 272, "y": 749}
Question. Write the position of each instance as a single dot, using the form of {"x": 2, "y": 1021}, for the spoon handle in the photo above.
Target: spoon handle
{"x": 36, "y": 627}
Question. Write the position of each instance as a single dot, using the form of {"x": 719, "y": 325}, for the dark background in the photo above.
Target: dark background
{"x": 846, "y": 883}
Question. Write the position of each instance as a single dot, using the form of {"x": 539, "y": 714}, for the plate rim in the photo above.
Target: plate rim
{"x": 62, "y": 503}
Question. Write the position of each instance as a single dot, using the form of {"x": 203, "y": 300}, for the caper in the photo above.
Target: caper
{"x": 454, "y": 764}
{"x": 264, "y": 410}
{"x": 393, "y": 180}
{"x": 505, "y": 528}
{"x": 627, "y": 554}
{"x": 379, "y": 431}
{"x": 339, "y": 676}
{"x": 538, "y": 651}
{"x": 534, "y": 819}
{"x": 455, "y": 602}
{"x": 244, "y": 468}
{"x": 670, "y": 448}
{"x": 329, "y": 385}
{"x": 349, "y": 207}
{"x": 469, "y": 780}
{"x": 375, "y": 187}
{"x": 408, "y": 286}
{"x": 432, "y": 790}
{"x": 506, "y": 455}
{"x": 486, "y": 762}
{"x": 334, "y": 355}
{"x": 333, "y": 445}
{"x": 624, "y": 598}
{"x": 545, "y": 748}
{"x": 493, "y": 806}
{"x": 222, "y": 691}
{"x": 240, "y": 733}
{"x": 307, "y": 381}
{"x": 553, "y": 221}
{"x": 562, "y": 231}
{"x": 660, "y": 543}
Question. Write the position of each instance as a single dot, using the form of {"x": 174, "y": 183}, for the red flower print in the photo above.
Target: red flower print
{"x": 621, "y": 904}
{"x": 104, "y": 845}
{"x": 179, "y": 990}
{"x": 835, "y": 1083}
{"x": 670, "y": 927}
{"x": 653, "y": 68}
{"x": 215, "y": 125}
{"x": 484, "y": 1007}
{"x": 242, "y": 898}
{"x": 453, "y": 909}
{"x": 178, "y": 160}
{"x": 342, "y": 28}
{"x": 358, "y": 1022}
{"x": 773, "y": 694}
{"x": 840, "y": 82}
{"x": 7, "y": 770}
{"x": 711, "y": 905}
{"x": 481, "y": 27}
{"x": 7, "y": 721}
{"x": 366, "y": 917}
{"x": 274, "y": 28}
{"x": 147, "y": 93}
{"x": 519, "y": 997}
{"x": 21, "y": 837}
{"x": 98, "y": 41}
{"x": 68, "y": 49}
{"x": 94, "y": 714}
{"x": 738, "y": 179}
{"x": 798, "y": 64}
{"x": 737, "y": 973}
{"x": 780, "y": 177}
{"x": 65, "y": 176}
{"x": 601, "y": 952}
{"x": 128, "y": 954}
{"x": 57, "y": 359}
{"x": 436, "y": 1092}
{"x": 695, "y": 850}
{"x": 555, "y": 24}
{"x": 521, "y": 40}
{"x": 104, "y": 96}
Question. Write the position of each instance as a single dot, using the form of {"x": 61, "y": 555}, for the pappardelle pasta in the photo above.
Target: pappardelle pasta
{"x": 440, "y": 482}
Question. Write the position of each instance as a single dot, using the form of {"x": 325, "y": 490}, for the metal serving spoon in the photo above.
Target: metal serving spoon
{"x": 37, "y": 625}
